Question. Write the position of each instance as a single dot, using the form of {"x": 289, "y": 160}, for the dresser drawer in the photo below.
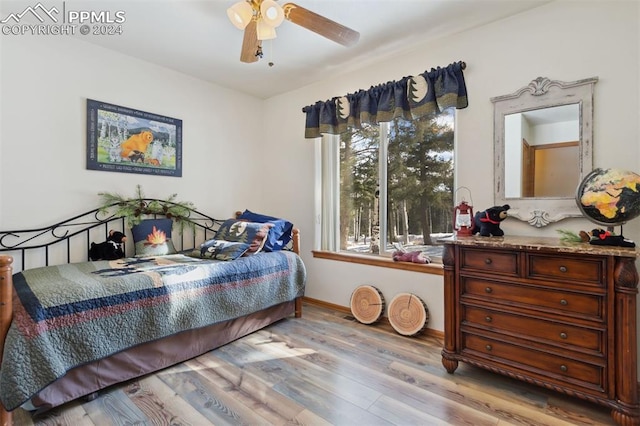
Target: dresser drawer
{"x": 587, "y": 306}
{"x": 573, "y": 373}
{"x": 567, "y": 269}
{"x": 496, "y": 262}
{"x": 565, "y": 336}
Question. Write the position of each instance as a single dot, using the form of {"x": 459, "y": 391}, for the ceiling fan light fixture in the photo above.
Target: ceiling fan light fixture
{"x": 262, "y": 17}
{"x": 271, "y": 12}
{"x": 265, "y": 31}
{"x": 240, "y": 14}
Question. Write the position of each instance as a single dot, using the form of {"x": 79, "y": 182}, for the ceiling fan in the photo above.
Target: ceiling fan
{"x": 259, "y": 19}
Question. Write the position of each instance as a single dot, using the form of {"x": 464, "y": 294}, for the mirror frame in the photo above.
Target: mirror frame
{"x": 544, "y": 93}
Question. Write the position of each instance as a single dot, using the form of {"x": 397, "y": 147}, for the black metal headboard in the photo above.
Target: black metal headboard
{"x": 69, "y": 241}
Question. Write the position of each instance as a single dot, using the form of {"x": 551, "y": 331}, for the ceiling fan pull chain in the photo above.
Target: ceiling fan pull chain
{"x": 271, "y": 54}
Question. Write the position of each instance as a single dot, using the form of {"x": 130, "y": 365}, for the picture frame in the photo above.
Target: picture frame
{"x": 126, "y": 140}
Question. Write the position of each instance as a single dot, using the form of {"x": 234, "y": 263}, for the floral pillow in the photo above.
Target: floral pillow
{"x": 254, "y": 234}
{"x": 220, "y": 250}
{"x": 152, "y": 237}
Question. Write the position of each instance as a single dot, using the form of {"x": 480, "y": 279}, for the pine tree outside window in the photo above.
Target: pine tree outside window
{"x": 388, "y": 185}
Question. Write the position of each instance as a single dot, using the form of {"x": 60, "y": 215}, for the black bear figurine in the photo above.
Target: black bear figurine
{"x": 600, "y": 237}
{"x": 487, "y": 222}
{"x": 110, "y": 249}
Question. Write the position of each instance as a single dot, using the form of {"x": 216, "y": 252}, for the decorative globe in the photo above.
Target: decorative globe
{"x": 609, "y": 196}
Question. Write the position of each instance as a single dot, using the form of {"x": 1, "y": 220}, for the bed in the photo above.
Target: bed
{"x": 71, "y": 326}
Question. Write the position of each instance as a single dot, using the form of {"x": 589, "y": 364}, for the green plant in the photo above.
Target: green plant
{"x": 569, "y": 236}
{"x": 137, "y": 208}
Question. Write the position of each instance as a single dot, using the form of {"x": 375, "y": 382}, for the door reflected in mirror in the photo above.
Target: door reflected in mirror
{"x": 542, "y": 152}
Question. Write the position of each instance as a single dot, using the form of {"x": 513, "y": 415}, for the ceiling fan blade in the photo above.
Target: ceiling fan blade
{"x": 250, "y": 44}
{"x": 320, "y": 25}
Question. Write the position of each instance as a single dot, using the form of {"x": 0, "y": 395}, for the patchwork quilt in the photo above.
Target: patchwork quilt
{"x": 68, "y": 315}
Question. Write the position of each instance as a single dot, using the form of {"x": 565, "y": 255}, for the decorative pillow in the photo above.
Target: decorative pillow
{"x": 152, "y": 237}
{"x": 279, "y": 234}
{"x": 220, "y": 250}
{"x": 254, "y": 234}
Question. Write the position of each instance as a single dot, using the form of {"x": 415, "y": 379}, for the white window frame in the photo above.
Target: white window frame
{"x": 327, "y": 190}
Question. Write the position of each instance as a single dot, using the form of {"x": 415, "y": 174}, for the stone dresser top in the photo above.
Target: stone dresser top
{"x": 540, "y": 243}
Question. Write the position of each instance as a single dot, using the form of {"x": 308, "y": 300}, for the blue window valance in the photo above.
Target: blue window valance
{"x": 410, "y": 98}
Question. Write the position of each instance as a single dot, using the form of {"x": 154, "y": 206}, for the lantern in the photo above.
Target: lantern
{"x": 463, "y": 217}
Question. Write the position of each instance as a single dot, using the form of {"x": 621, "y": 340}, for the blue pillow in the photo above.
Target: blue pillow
{"x": 152, "y": 237}
{"x": 279, "y": 235}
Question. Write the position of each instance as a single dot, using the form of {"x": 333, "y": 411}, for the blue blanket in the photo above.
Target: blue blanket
{"x": 68, "y": 315}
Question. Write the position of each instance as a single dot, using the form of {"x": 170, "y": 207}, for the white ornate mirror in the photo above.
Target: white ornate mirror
{"x": 543, "y": 148}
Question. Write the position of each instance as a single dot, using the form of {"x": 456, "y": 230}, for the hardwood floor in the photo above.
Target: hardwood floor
{"x": 324, "y": 369}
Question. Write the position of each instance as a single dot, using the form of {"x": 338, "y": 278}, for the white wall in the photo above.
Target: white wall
{"x": 45, "y": 82}
{"x": 514, "y": 125}
{"x": 564, "y": 40}
{"x": 565, "y": 131}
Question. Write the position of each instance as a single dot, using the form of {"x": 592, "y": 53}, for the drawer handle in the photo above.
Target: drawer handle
{"x": 563, "y": 269}
{"x": 563, "y": 335}
{"x": 488, "y": 290}
{"x": 563, "y": 302}
{"x": 488, "y": 261}
{"x": 488, "y": 347}
{"x": 487, "y": 318}
{"x": 564, "y": 368}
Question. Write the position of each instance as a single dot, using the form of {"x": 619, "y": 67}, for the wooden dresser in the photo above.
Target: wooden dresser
{"x": 558, "y": 315}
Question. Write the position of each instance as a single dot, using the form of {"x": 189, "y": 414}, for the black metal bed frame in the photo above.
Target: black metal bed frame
{"x": 71, "y": 238}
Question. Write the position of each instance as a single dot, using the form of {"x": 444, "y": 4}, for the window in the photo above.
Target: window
{"x": 389, "y": 185}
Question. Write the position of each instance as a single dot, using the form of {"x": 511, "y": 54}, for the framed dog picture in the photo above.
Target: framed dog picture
{"x": 126, "y": 140}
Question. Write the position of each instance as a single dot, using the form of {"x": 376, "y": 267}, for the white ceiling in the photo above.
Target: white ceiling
{"x": 195, "y": 37}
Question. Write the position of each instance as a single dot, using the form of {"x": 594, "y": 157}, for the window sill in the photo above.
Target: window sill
{"x": 431, "y": 268}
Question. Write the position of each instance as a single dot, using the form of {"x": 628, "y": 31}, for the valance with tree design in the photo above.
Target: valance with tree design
{"x": 410, "y": 97}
